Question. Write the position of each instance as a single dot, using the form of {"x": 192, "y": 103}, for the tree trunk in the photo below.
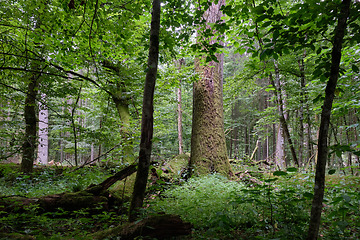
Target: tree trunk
{"x": 147, "y": 115}
{"x": 280, "y": 148}
{"x": 319, "y": 187}
{"x": 208, "y": 146}
{"x": 283, "y": 122}
{"x": 179, "y": 111}
{"x": 152, "y": 227}
{"x": 234, "y": 141}
{"x": 43, "y": 147}
{"x": 302, "y": 144}
{"x": 121, "y": 101}
{"x": 29, "y": 145}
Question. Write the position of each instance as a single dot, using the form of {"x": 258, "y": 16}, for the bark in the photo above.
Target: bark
{"x": 29, "y": 145}
{"x": 301, "y": 111}
{"x": 235, "y": 132}
{"x": 73, "y": 125}
{"x": 43, "y": 147}
{"x": 154, "y": 227}
{"x": 282, "y": 118}
{"x": 179, "y": 111}
{"x": 319, "y": 187}
{"x": 280, "y": 148}
{"x": 121, "y": 100}
{"x": 208, "y": 146}
{"x": 147, "y": 115}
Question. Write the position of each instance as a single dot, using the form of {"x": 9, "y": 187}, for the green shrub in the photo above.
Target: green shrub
{"x": 207, "y": 201}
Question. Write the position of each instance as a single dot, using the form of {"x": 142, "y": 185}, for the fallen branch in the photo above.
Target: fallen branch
{"x": 158, "y": 227}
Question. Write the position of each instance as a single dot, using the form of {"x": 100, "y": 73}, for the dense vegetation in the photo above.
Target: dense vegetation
{"x": 275, "y": 206}
{"x": 72, "y": 76}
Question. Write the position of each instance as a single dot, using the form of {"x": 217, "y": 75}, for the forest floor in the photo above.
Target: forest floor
{"x": 256, "y": 204}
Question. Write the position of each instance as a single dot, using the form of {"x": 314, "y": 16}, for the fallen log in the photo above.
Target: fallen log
{"x": 158, "y": 226}
{"x": 92, "y": 197}
{"x": 97, "y": 189}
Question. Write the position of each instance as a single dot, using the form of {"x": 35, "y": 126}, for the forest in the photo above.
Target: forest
{"x": 179, "y": 119}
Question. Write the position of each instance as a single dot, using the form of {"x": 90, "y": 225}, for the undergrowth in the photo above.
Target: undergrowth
{"x": 48, "y": 181}
{"x": 278, "y": 208}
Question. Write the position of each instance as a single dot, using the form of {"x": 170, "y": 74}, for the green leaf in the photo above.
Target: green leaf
{"x": 308, "y": 195}
{"x": 331, "y": 172}
{"x": 346, "y": 198}
{"x": 270, "y": 180}
{"x": 241, "y": 51}
{"x": 355, "y": 68}
{"x": 292, "y": 169}
{"x": 342, "y": 224}
{"x": 279, "y": 173}
{"x": 261, "y": 18}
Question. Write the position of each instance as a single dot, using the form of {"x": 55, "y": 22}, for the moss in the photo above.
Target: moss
{"x": 123, "y": 189}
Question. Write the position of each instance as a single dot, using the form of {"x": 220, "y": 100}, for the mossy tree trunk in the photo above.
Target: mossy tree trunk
{"x": 208, "y": 146}
{"x": 119, "y": 96}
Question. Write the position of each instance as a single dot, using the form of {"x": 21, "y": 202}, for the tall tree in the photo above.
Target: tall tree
{"x": 147, "y": 115}
{"x": 29, "y": 145}
{"x": 322, "y": 157}
{"x": 208, "y": 146}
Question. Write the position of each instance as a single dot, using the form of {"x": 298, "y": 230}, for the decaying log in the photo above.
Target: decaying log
{"x": 92, "y": 197}
{"x": 159, "y": 227}
{"x": 97, "y": 189}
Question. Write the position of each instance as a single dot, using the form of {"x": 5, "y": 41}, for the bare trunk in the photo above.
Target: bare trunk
{"x": 74, "y": 128}
{"x": 147, "y": 115}
{"x": 179, "y": 111}
{"x": 301, "y": 111}
{"x": 319, "y": 187}
{"x": 208, "y": 146}
{"x": 29, "y": 145}
{"x": 283, "y": 122}
{"x": 43, "y": 147}
{"x": 280, "y": 148}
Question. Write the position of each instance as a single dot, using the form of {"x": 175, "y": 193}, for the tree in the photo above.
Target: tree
{"x": 319, "y": 187}
{"x": 147, "y": 115}
{"x": 208, "y": 146}
{"x": 43, "y": 146}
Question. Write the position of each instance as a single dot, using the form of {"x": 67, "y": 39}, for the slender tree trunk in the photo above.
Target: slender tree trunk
{"x": 319, "y": 187}
{"x": 73, "y": 125}
{"x": 234, "y": 141}
{"x": 280, "y": 148}
{"x": 301, "y": 111}
{"x": 179, "y": 111}
{"x": 43, "y": 147}
{"x": 208, "y": 146}
{"x": 283, "y": 122}
{"x": 247, "y": 141}
{"x": 147, "y": 115}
